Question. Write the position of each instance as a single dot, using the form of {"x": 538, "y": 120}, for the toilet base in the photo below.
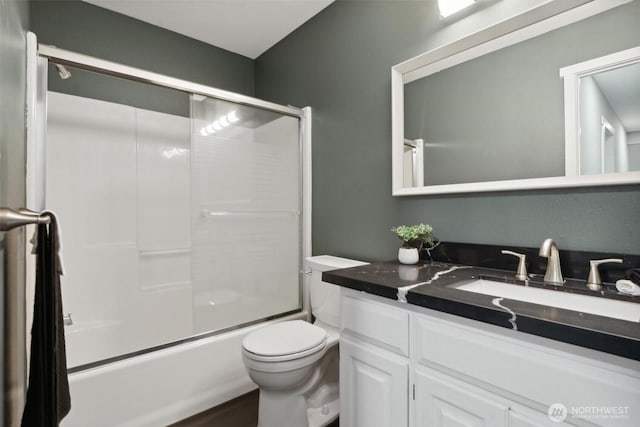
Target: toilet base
{"x": 321, "y": 417}
{"x": 316, "y": 404}
{"x": 276, "y": 410}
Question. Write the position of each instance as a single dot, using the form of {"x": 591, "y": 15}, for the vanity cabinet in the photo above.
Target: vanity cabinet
{"x": 404, "y": 365}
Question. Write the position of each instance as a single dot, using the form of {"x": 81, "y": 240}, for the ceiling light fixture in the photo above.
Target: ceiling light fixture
{"x": 450, "y": 7}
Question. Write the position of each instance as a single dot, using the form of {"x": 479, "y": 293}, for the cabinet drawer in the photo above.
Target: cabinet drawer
{"x": 377, "y": 323}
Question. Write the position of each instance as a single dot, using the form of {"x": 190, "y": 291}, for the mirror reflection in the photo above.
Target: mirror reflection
{"x": 500, "y": 116}
{"x": 610, "y": 121}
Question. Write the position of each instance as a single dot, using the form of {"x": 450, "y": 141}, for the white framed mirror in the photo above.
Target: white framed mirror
{"x": 489, "y": 109}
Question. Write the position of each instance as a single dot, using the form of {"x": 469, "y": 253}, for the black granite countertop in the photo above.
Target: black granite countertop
{"x": 434, "y": 285}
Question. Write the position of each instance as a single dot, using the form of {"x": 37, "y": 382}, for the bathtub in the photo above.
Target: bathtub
{"x": 164, "y": 386}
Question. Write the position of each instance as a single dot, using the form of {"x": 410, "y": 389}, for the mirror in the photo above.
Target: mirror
{"x": 488, "y": 111}
{"x": 602, "y": 100}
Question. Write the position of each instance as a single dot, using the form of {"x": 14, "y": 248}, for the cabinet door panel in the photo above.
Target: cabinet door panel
{"x": 373, "y": 387}
{"x": 443, "y": 401}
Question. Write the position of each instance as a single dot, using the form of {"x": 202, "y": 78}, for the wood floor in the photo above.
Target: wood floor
{"x": 239, "y": 412}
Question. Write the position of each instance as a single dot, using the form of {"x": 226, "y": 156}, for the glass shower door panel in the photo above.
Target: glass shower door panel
{"x": 119, "y": 179}
{"x": 246, "y": 216}
{"x": 86, "y": 138}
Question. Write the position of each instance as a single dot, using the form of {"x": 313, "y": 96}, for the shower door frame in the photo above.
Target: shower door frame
{"x": 36, "y": 142}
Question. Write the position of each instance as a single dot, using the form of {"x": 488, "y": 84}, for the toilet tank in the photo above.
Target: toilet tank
{"x": 325, "y": 297}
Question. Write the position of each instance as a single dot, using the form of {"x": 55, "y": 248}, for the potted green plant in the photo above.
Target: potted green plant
{"x": 413, "y": 239}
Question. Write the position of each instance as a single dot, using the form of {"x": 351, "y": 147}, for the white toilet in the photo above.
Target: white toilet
{"x": 296, "y": 363}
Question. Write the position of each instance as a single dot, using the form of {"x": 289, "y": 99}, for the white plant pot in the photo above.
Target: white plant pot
{"x": 408, "y": 255}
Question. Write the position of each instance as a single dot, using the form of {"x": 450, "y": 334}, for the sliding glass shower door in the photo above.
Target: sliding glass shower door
{"x": 181, "y": 214}
{"x": 246, "y": 213}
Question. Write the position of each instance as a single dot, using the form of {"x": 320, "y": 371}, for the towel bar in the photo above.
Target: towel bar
{"x": 12, "y": 218}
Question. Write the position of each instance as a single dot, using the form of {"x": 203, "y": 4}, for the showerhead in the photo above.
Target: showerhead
{"x": 63, "y": 72}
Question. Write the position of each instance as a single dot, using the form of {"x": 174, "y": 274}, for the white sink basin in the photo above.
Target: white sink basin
{"x": 576, "y": 302}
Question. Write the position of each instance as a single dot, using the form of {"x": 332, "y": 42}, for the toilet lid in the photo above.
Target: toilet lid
{"x": 284, "y": 338}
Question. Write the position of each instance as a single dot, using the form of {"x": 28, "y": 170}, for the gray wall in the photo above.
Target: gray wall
{"x": 88, "y": 29}
{"x": 14, "y": 20}
{"x": 339, "y": 63}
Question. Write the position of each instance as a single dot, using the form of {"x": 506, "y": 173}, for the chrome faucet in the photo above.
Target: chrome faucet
{"x": 521, "y": 273}
{"x": 593, "y": 281}
{"x": 549, "y": 250}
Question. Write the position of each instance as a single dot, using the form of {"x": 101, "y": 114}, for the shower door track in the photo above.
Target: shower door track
{"x": 90, "y": 63}
{"x": 192, "y": 338}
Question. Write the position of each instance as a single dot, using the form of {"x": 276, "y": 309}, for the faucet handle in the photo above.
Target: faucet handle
{"x": 521, "y": 273}
{"x": 593, "y": 281}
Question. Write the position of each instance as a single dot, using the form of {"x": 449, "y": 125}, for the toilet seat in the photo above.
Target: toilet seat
{"x": 284, "y": 341}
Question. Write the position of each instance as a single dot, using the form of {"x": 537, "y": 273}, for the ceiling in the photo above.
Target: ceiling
{"x": 246, "y": 27}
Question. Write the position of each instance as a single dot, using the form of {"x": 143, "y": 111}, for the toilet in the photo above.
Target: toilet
{"x": 296, "y": 363}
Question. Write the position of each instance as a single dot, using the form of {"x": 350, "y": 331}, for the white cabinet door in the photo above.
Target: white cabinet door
{"x": 444, "y": 401}
{"x": 374, "y": 386}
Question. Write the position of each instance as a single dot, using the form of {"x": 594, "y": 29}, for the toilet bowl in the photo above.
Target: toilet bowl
{"x": 296, "y": 363}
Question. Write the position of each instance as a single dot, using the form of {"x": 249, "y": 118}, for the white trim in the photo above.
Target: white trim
{"x": 604, "y": 127}
{"x": 603, "y": 63}
{"x": 418, "y": 165}
{"x": 397, "y": 131}
{"x": 571, "y": 127}
{"x": 36, "y": 119}
{"x": 31, "y": 119}
{"x": 307, "y": 206}
{"x": 538, "y": 20}
{"x": 622, "y": 178}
